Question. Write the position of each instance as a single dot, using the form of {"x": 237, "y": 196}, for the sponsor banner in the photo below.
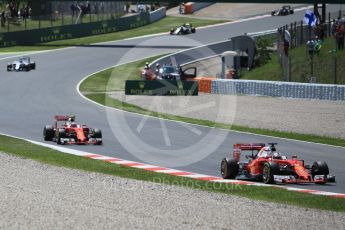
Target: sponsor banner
{"x": 161, "y": 88}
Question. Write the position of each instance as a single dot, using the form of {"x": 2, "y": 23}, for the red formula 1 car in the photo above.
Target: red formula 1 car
{"x": 66, "y": 131}
{"x": 267, "y": 165}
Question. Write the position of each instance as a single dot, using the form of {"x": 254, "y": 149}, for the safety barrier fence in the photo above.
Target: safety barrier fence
{"x": 57, "y": 13}
{"x": 278, "y": 89}
{"x": 35, "y": 36}
{"x": 298, "y": 34}
{"x": 157, "y": 14}
{"x": 191, "y": 55}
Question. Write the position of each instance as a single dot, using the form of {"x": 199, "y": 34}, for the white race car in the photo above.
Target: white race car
{"x": 186, "y": 28}
{"x": 22, "y": 64}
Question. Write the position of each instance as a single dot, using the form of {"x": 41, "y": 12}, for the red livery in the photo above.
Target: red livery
{"x": 69, "y": 132}
{"x": 267, "y": 165}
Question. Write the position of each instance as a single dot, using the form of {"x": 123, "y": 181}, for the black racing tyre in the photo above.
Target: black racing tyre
{"x": 48, "y": 133}
{"x": 319, "y": 168}
{"x": 193, "y": 30}
{"x": 229, "y": 168}
{"x": 61, "y": 133}
{"x": 33, "y": 65}
{"x": 97, "y": 133}
{"x": 269, "y": 170}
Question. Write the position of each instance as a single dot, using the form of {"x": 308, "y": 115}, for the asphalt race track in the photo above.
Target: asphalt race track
{"x": 30, "y": 100}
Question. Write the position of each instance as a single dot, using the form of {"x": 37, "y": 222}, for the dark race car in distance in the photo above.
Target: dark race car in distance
{"x": 66, "y": 131}
{"x": 22, "y": 64}
{"x": 269, "y": 166}
{"x": 186, "y": 28}
{"x": 171, "y": 72}
{"x": 285, "y": 10}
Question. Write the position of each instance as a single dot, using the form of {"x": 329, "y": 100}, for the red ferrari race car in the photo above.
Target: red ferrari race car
{"x": 267, "y": 165}
{"x": 66, "y": 131}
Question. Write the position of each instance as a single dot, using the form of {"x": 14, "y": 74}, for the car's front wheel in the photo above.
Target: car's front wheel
{"x": 269, "y": 170}
{"x": 319, "y": 168}
{"x": 61, "y": 133}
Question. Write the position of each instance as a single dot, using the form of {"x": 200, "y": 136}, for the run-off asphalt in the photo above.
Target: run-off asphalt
{"x": 40, "y": 196}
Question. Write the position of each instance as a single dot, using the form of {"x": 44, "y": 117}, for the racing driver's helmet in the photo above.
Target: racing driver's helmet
{"x": 73, "y": 125}
{"x": 276, "y": 155}
{"x": 267, "y": 152}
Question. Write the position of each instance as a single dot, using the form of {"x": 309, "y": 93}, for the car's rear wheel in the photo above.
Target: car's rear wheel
{"x": 61, "y": 133}
{"x": 269, "y": 170}
{"x": 319, "y": 168}
{"x": 48, "y": 133}
{"x": 229, "y": 168}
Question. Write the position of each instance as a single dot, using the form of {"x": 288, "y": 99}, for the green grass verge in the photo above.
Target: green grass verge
{"x": 113, "y": 79}
{"x": 163, "y": 25}
{"x": 45, "y": 155}
{"x": 300, "y": 66}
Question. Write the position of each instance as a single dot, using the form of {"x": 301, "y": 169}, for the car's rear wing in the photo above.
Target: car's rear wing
{"x": 246, "y": 146}
{"x": 64, "y": 117}
{"x": 239, "y": 147}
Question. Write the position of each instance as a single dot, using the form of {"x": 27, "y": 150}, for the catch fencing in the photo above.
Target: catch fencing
{"x": 55, "y": 33}
{"x": 57, "y": 13}
{"x": 298, "y": 34}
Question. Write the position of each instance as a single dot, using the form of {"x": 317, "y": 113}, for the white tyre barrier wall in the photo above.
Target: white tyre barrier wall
{"x": 279, "y": 89}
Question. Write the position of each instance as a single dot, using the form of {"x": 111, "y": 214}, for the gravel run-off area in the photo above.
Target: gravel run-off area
{"x": 39, "y": 196}
{"x": 323, "y": 118}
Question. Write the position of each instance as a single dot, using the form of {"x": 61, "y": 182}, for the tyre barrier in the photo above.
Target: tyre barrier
{"x": 279, "y": 89}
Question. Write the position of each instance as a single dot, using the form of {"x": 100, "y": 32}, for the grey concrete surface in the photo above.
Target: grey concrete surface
{"x": 40, "y": 196}
{"x": 30, "y": 100}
